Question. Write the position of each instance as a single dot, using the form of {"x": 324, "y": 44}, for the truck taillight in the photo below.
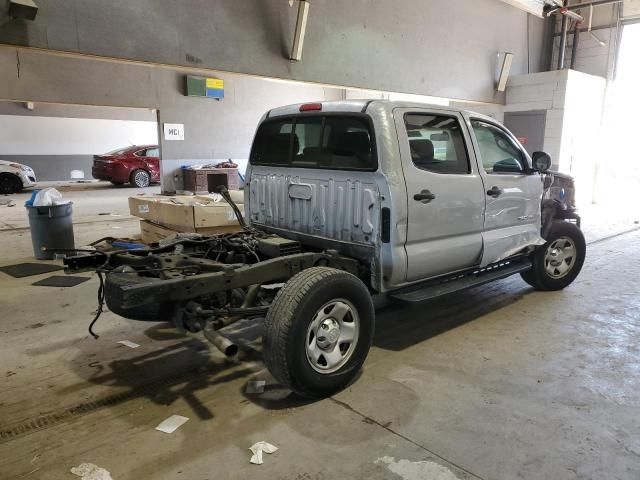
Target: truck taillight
{"x": 309, "y": 107}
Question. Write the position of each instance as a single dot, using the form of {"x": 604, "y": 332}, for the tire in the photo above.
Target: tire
{"x": 550, "y": 273}
{"x": 140, "y": 178}
{"x": 302, "y": 307}
{"x": 9, "y": 183}
{"x": 117, "y": 184}
{"x": 150, "y": 312}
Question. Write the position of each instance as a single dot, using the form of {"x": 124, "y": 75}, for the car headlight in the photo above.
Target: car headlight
{"x": 19, "y": 166}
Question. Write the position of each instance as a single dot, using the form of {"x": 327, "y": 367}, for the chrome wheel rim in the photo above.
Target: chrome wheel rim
{"x": 332, "y": 336}
{"x": 141, "y": 178}
{"x": 560, "y": 257}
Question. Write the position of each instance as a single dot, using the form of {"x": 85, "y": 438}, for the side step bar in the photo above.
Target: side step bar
{"x": 433, "y": 289}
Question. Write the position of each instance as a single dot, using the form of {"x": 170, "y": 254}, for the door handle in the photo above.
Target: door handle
{"x": 425, "y": 196}
{"x": 495, "y": 191}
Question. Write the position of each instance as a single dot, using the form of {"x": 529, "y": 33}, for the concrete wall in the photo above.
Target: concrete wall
{"x": 214, "y": 130}
{"x": 56, "y": 139}
{"x": 573, "y": 102}
{"x": 541, "y": 91}
{"x": 445, "y": 49}
{"x": 592, "y": 57}
{"x": 607, "y": 23}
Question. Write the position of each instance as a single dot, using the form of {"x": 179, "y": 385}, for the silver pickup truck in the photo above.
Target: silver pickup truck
{"x": 345, "y": 200}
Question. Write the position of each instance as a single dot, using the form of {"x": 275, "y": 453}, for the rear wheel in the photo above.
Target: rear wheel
{"x": 140, "y": 178}
{"x": 9, "y": 183}
{"x": 318, "y": 331}
{"x": 558, "y": 262}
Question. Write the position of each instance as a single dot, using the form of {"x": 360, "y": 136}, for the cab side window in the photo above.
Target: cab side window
{"x": 436, "y": 143}
{"x": 499, "y": 153}
{"x": 153, "y": 152}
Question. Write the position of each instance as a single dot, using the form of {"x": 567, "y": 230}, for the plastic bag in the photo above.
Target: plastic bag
{"x": 48, "y": 197}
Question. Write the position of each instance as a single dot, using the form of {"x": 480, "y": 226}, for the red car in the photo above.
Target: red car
{"x": 138, "y": 165}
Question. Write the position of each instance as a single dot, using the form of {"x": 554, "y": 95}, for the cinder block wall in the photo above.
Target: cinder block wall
{"x": 573, "y": 104}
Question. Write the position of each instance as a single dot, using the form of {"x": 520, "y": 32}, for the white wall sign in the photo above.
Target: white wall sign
{"x": 174, "y": 131}
{"x": 531, "y": 6}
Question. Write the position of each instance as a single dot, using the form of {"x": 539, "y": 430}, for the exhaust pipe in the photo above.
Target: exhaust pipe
{"x": 221, "y": 342}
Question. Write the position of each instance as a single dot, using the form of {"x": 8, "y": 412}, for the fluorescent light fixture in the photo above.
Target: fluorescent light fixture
{"x": 504, "y": 72}
{"x": 301, "y": 29}
{"x": 23, "y": 9}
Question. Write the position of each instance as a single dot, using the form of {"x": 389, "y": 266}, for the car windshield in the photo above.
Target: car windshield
{"x": 119, "y": 151}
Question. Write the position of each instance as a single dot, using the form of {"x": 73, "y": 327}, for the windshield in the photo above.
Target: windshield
{"x": 337, "y": 142}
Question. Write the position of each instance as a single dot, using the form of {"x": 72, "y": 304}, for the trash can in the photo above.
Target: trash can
{"x": 51, "y": 227}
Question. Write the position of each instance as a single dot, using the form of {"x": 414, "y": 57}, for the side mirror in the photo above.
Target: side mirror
{"x": 541, "y": 161}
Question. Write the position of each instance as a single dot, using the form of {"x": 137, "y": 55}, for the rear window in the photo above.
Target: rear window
{"x": 119, "y": 151}
{"x": 335, "y": 142}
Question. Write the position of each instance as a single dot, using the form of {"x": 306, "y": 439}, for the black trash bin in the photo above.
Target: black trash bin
{"x": 51, "y": 228}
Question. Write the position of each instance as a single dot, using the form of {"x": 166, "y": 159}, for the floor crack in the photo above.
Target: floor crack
{"x": 609, "y": 237}
{"x": 387, "y": 427}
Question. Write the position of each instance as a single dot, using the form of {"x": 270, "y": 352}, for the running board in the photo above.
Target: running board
{"x": 433, "y": 289}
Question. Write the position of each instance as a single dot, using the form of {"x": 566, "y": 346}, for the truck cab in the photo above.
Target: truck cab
{"x": 415, "y": 191}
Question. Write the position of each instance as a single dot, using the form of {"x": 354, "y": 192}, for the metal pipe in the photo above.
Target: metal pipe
{"x": 595, "y": 3}
{"x": 563, "y": 42}
{"x": 572, "y": 15}
{"x": 574, "y": 47}
{"x": 221, "y": 342}
{"x": 252, "y": 293}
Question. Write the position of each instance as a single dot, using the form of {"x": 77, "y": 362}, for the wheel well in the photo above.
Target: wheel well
{"x": 14, "y": 176}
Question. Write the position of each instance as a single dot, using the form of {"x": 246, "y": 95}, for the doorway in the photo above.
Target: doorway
{"x": 59, "y": 141}
{"x": 618, "y": 175}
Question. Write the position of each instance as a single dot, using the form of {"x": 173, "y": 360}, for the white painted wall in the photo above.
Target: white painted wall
{"x": 33, "y": 135}
{"x": 573, "y": 101}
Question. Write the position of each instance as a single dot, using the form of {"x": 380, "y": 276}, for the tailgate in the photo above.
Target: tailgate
{"x": 335, "y": 205}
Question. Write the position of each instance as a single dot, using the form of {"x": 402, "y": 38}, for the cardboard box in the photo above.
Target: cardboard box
{"x": 153, "y": 233}
{"x": 184, "y": 213}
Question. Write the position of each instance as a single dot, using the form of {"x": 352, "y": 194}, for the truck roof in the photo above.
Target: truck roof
{"x": 361, "y": 105}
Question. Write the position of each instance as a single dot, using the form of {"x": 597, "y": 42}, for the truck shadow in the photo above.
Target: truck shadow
{"x": 162, "y": 375}
{"x": 181, "y": 366}
{"x": 400, "y": 325}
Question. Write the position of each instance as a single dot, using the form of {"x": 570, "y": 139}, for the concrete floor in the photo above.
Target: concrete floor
{"x": 498, "y": 382}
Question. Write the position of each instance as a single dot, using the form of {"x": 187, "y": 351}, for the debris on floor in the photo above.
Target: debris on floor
{"x": 258, "y": 448}
{"x": 61, "y": 281}
{"x": 408, "y": 470}
{"x": 255, "y": 386}
{"x": 89, "y": 471}
{"x": 128, "y": 343}
{"x": 172, "y": 423}
{"x": 21, "y": 270}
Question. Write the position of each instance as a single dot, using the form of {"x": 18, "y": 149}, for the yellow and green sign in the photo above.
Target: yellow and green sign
{"x": 205, "y": 87}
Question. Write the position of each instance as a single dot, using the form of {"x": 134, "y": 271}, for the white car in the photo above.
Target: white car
{"x": 15, "y": 176}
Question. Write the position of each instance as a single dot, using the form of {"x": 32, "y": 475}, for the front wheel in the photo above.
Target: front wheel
{"x": 9, "y": 183}
{"x": 558, "y": 262}
{"x": 318, "y": 331}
